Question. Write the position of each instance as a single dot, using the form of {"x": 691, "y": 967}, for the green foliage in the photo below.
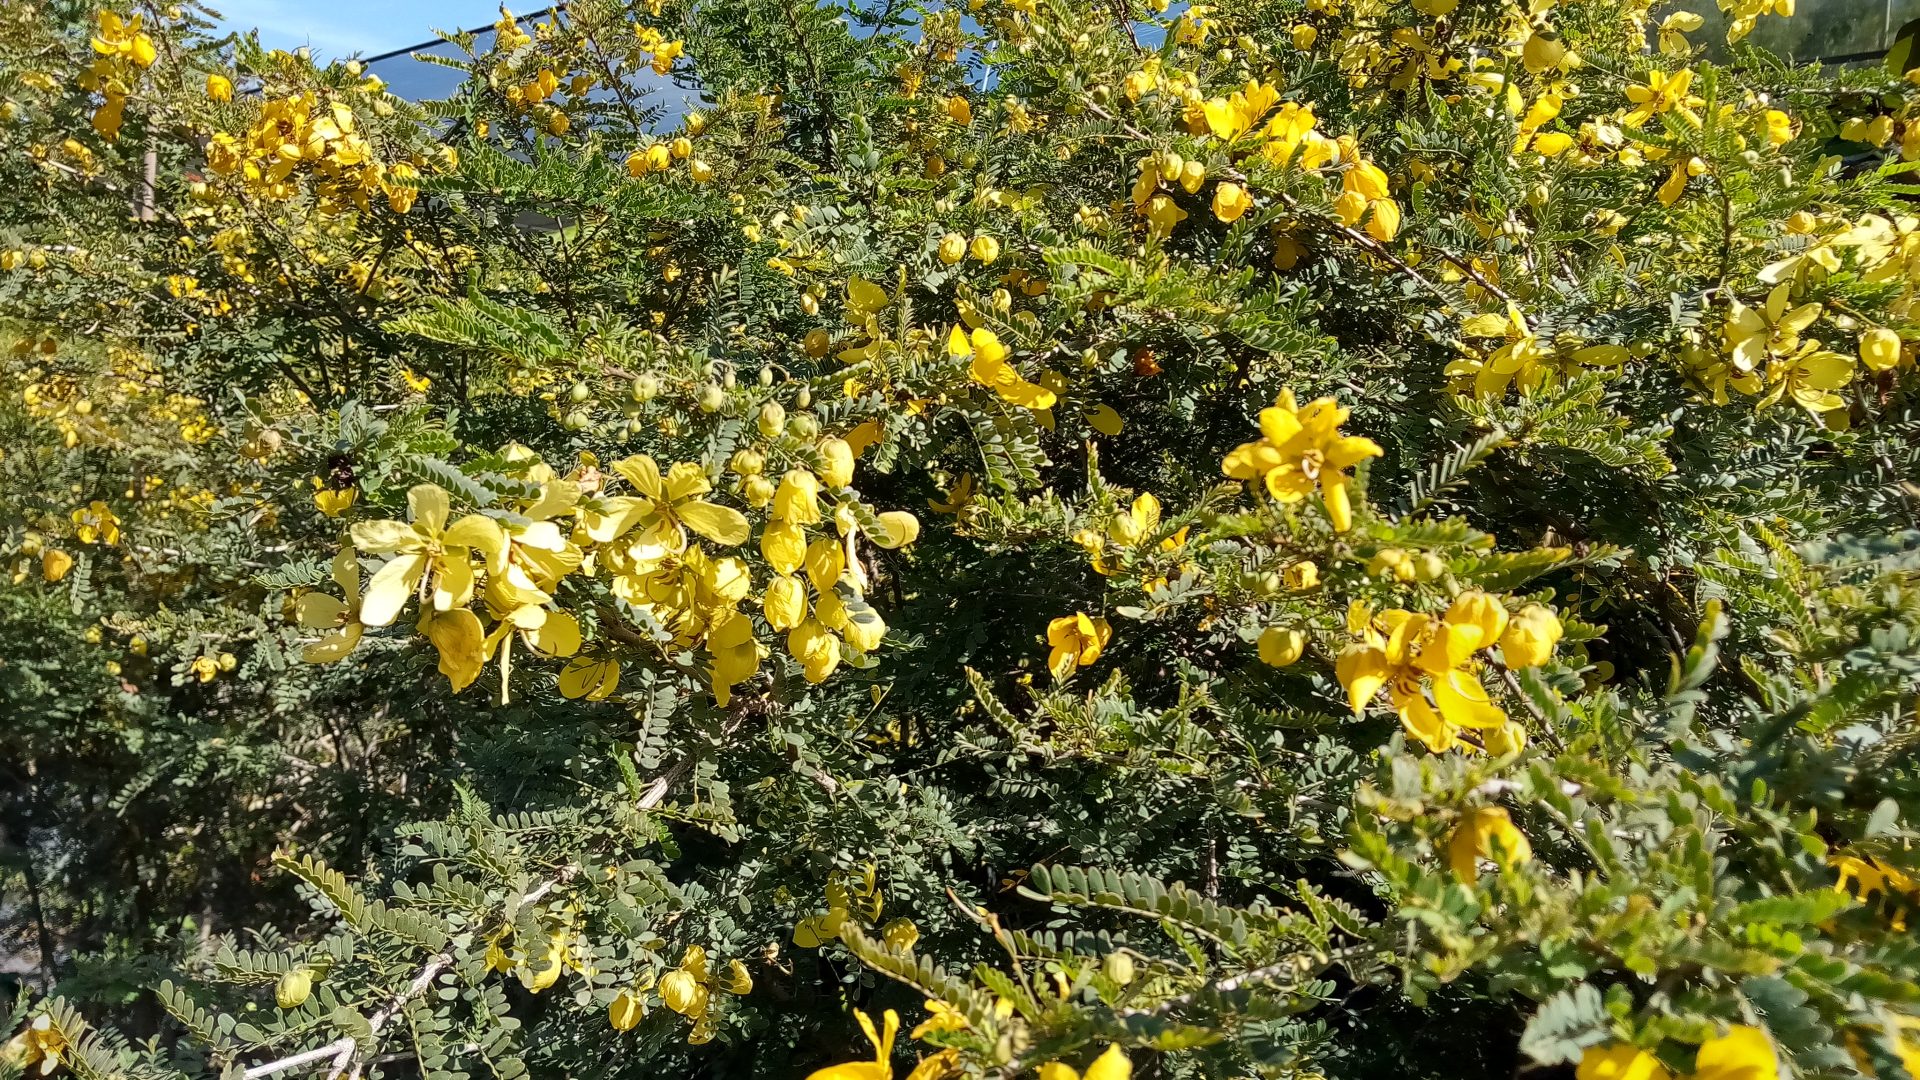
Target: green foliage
{"x": 1425, "y": 587}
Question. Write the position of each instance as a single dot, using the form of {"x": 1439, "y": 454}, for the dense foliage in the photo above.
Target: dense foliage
{"x": 1348, "y": 538}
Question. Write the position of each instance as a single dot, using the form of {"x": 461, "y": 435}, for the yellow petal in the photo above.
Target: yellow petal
{"x": 1112, "y": 1065}
{"x": 459, "y": 637}
{"x": 391, "y": 587}
{"x": 720, "y": 524}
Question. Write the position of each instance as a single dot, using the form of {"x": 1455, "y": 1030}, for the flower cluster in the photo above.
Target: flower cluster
{"x": 302, "y": 133}
{"x": 1429, "y": 668}
{"x": 650, "y": 547}
{"x": 123, "y": 51}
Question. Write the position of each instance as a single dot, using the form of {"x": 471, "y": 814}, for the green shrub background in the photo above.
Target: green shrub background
{"x": 1341, "y": 539}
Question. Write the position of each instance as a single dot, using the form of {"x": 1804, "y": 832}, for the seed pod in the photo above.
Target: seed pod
{"x": 1119, "y": 967}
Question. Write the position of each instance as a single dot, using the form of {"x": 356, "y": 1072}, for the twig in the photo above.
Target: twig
{"x": 342, "y": 1050}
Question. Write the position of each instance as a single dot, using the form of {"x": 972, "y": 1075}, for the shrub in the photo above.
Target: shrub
{"x": 1345, "y": 539}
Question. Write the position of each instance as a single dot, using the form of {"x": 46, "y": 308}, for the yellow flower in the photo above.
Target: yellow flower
{"x": 1779, "y": 127}
{"x": 1231, "y": 117}
{"x": 461, "y": 641}
{"x": 991, "y": 370}
{"x": 204, "y": 668}
{"x": 836, "y": 462}
{"x": 940, "y": 1017}
{"x": 1301, "y": 576}
{"x": 1620, "y": 1061}
{"x": 786, "y": 603}
{"x": 736, "y": 655}
{"x": 958, "y": 110}
{"x": 1508, "y": 738}
{"x": 219, "y": 87}
{"x": 1530, "y": 638}
{"x": 881, "y": 1067}
{"x": 1280, "y": 646}
{"x": 427, "y": 550}
{"x": 683, "y": 993}
{"x": 1132, "y": 525}
{"x": 1230, "y": 200}
{"x": 953, "y": 248}
{"x": 334, "y": 501}
{"x": 1077, "y": 641}
{"x": 95, "y": 523}
{"x": 1111, "y": 1065}
{"x": 816, "y": 647}
{"x": 1526, "y": 361}
{"x": 39, "y": 1046}
{"x": 589, "y": 678}
{"x": 626, "y": 1010}
{"x": 1880, "y": 349}
{"x": 1743, "y": 1053}
{"x": 1486, "y": 832}
{"x": 54, "y": 564}
{"x": 798, "y": 499}
{"x": 1673, "y": 36}
{"x": 673, "y": 505}
{"x": 341, "y": 617}
{"x": 1163, "y": 214}
{"x": 1292, "y": 140}
{"x": 1409, "y": 655}
{"x": 1300, "y": 449}
{"x": 957, "y": 497}
{"x": 984, "y": 249}
{"x": 1809, "y": 376}
{"x": 1661, "y": 93}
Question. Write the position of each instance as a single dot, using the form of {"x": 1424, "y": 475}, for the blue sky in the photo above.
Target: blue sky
{"x": 336, "y": 28}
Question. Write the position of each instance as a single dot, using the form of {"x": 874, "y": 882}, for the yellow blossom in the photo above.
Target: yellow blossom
{"x": 1230, "y": 200}
{"x": 1301, "y": 449}
{"x": 1412, "y": 655}
{"x": 1110, "y": 1065}
{"x": 990, "y": 369}
{"x": 1486, "y": 833}
{"x": 1077, "y": 641}
{"x": 1281, "y": 646}
{"x": 881, "y": 1067}
{"x": 1743, "y": 1053}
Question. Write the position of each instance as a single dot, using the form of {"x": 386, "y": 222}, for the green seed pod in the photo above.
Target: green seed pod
{"x": 646, "y": 388}
{"x": 1119, "y": 967}
{"x": 766, "y": 376}
{"x": 579, "y": 392}
{"x": 804, "y": 426}
{"x": 803, "y": 399}
{"x": 711, "y": 398}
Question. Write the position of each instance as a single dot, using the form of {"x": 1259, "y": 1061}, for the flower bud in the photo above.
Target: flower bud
{"x": 1880, "y": 349}
{"x": 1280, "y": 646}
{"x": 773, "y": 419}
{"x": 293, "y": 988}
{"x": 1530, "y": 637}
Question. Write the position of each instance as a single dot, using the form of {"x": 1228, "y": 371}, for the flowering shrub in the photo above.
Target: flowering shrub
{"x": 1043, "y": 538}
